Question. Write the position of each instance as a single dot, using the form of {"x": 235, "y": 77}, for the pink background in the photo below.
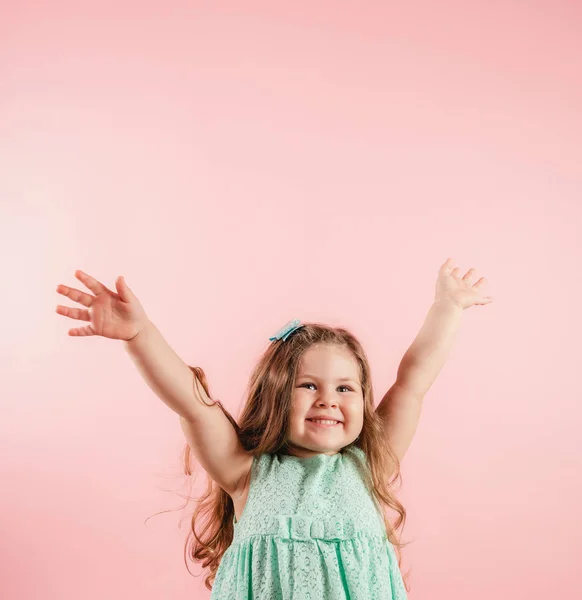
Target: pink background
{"x": 246, "y": 164}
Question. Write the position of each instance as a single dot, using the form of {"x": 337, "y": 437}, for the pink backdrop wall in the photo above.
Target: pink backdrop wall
{"x": 245, "y": 164}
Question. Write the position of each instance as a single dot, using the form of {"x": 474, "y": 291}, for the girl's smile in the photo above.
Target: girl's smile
{"x": 325, "y": 424}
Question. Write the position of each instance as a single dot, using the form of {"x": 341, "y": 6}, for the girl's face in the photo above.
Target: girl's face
{"x": 327, "y": 387}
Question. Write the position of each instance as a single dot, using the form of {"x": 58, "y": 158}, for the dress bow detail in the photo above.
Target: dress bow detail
{"x": 300, "y": 527}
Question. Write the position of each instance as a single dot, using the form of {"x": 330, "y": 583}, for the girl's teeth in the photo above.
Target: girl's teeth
{"x": 324, "y": 422}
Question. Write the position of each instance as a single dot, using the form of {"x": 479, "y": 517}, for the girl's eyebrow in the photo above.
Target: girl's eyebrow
{"x": 340, "y": 379}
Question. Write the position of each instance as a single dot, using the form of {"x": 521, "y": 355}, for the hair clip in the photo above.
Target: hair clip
{"x": 286, "y": 331}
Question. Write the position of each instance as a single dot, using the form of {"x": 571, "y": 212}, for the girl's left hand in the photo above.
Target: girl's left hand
{"x": 461, "y": 291}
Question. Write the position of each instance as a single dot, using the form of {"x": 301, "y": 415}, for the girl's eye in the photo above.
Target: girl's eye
{"x": 313, "y": 384}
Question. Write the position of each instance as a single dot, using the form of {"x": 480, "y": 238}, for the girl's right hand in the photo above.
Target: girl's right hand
{"x": 118, "y": 316}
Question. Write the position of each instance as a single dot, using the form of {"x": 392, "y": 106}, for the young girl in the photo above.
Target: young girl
{"x": 298, "y": 490}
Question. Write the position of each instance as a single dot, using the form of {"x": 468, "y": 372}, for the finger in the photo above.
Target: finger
{"x": 81, "y": 331}
{"x": 95, "y": 286}
{"x": 447, "y": 266}
{"x": 469, "y": 275}
{"x": 455, "y": 272}
{"x": 480, "y": 283}
{"x": 123, "y": 289}
{"x": 76, "y": 295}
{"x": 80, "y": 314}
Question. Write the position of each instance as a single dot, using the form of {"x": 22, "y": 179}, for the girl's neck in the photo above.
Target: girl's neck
{"x": 306, "y": 453}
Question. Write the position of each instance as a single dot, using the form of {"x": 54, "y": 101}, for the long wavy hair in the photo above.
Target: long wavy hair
{"x": 263, "y": 427}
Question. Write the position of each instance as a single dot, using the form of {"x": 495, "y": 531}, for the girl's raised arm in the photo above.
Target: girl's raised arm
{"x": 210, "y": 434}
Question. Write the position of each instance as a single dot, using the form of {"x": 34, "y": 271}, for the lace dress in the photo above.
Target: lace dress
{"x": 310, "y": 530}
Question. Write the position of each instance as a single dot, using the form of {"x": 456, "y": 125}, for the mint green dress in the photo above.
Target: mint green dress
{"x": 310, "y": 530}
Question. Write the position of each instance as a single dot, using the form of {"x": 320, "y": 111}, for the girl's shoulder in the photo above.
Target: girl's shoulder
{"x": 355, "y": 451}
{"x": 358, "y": 457}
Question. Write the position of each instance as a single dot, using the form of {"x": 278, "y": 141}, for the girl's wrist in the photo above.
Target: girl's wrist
{"x": 447, "y": 302}
{"x": 147, "y": 326}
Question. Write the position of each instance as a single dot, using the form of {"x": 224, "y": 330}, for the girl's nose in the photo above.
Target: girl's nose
{"x": 331, "y": 402}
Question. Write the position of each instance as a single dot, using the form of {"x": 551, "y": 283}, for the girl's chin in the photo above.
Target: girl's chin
{"x": 320, "y": 443}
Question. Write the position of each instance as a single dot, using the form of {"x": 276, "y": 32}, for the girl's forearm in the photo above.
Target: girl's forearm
{"x": 425, "y": 358}
{"x": 167, "y": 375}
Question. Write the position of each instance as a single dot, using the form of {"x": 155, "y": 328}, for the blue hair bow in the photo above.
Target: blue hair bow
{"x": 286, "y": 331}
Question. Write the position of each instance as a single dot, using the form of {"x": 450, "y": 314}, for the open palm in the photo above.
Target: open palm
{"x": 118, "y": 316}
{"x": 460, "y": 290}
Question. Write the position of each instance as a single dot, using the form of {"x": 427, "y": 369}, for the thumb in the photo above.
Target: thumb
{"x": 123, "y": 290}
